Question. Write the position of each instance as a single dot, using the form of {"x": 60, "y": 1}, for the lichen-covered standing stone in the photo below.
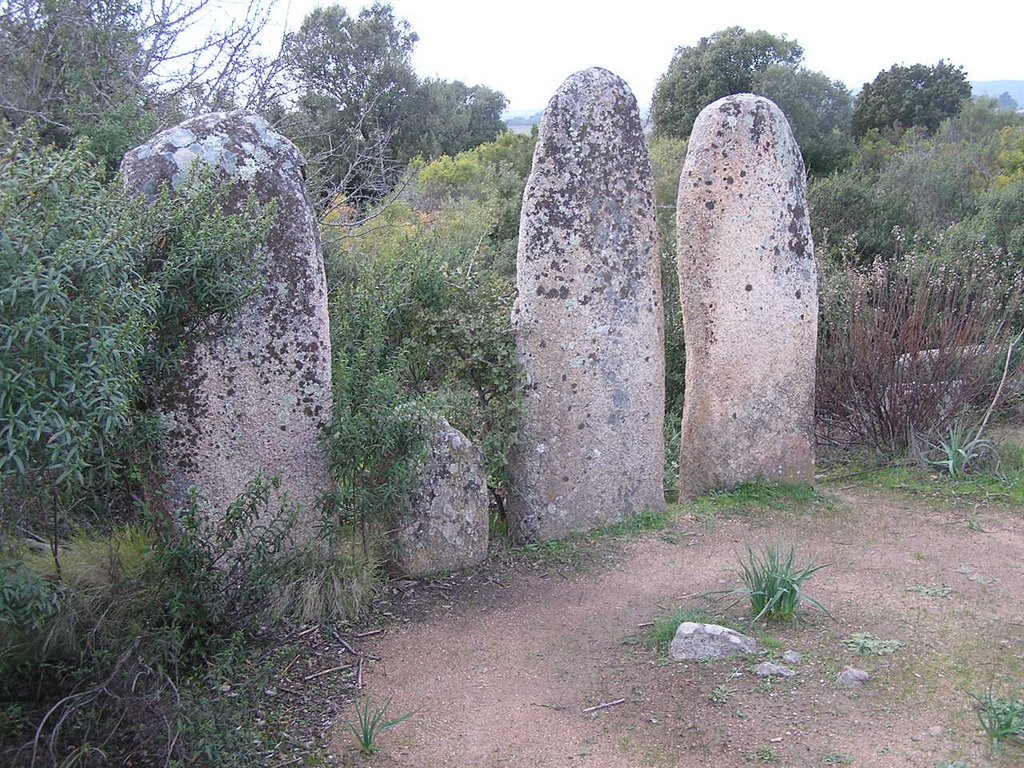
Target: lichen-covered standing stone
{"x": 255, "y": 398}
{"x": 588, "y": 319}
{"x": 748, "y": 289}
{"x": 447, "y": 528}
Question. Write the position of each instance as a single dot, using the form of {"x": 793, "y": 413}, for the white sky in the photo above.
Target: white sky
{"x": 526, "y": 48}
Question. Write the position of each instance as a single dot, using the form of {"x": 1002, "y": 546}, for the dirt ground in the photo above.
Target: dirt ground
{"x": 500, "y": 664}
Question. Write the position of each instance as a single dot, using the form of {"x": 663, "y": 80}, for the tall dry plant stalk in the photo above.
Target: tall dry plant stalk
{"x": 907, "y": 347}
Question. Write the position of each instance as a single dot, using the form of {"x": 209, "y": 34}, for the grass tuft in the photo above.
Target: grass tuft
{"x": 371, "y": 722}
{"x": 774, "y": 583}
{"x": 1001, "y": 719}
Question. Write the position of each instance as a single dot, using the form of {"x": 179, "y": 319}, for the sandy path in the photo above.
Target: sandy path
{"x": 499, "y": 675}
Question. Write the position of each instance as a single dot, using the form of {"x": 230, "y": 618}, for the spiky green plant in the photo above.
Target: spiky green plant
{"x": 774, "y": 583}
{"x": 957, "y": 453}
{"x": 1001, "y": 719}
{"x": 371, "y": 722}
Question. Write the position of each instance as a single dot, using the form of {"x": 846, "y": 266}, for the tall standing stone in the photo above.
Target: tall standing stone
{"x": 588, "y": 319}
{"x": 255, "y": 398}
{"x": 748, "y": 289}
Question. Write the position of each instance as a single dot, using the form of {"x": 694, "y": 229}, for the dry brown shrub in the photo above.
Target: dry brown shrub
{"x": 907, "y": 347}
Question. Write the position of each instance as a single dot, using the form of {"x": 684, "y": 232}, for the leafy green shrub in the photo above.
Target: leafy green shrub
{"x": 492, "y": 174}
{"x": 100, "y": 295}
{"x": 419, "y": 327}
{"x": 26, "y": 600}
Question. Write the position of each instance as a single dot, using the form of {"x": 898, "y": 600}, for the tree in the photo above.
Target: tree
{"x": 113, "y": 71}
{"x": 819, "y": 111}
{"x": 354, "y": 77}
{"x": 445, "y": 118}
{"x": 720, "y": 65}
{"x": 362, "y": 113}
{"x": 1007, "y": 102}
{"x": 908, "y": 97}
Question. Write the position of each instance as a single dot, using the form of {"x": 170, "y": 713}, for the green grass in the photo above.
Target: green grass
{"x": 1002, "y": 486}
{"x": 758, "y": 495}
{"x": 775, "y": 583}
{"x": 1000, "y": 481}
{"x": 575, "y": 551}
{"x": 869, "y": 645}
{"x": 1002, "y": 719}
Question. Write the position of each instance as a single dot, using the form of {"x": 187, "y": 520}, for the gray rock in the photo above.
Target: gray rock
{"x": 708, "y": 641}
{"x": 447, "y": 528}
{"x": 768, "y": 669}
{"x": 748, "y": 289}
{"x": 255, "y": 398}
{"x": 851, "y": 677}
{"x": 588, "y": 319}
{"x": 792, "y": 657}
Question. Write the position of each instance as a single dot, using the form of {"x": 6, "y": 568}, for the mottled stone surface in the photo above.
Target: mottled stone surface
{"x": 748, "y": 289}
{"x": 447, "y": 528}
{"x": 703, "y": 642}
{"x": 769, "y": 669}
{"x": 588, "y": 319}
{"x": 254, "y": 399}
{"x": 851, "y": 677}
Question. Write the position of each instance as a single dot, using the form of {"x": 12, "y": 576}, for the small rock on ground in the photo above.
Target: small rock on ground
{"x": 792, "y": 657}
{"x": 767, "y": 669}
{"x": 708, "y": 641}
{"x": 851, "y": 677}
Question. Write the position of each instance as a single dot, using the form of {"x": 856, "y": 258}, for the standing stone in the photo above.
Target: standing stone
{"x": 447, "y": 528}
{"x": 588, "y": 319}
{"x": 255, "y": 398}
{"x": 748, "y": 289}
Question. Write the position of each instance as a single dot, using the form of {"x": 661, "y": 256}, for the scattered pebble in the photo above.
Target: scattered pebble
{"x": 792, "y": 657}
{"x": 767, "y": 669}
{"x": 851, "y": 677}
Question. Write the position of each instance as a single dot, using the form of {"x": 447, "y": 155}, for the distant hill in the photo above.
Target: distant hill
{"x": 995, "y": 88}
{"x": 522, "y": 122}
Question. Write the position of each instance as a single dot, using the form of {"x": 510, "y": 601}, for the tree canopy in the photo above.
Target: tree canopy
{"x": 362, "y": 113}
{"x": 113, "y": 71}
{"x": 720, "y": 65}
{"x": 908, "y": 97}
{"x": 818, "y": 109}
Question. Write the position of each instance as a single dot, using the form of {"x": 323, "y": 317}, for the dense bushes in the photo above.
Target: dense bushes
{"x": 907, "y": 348}
{"x": 922, "y": 257}
{"x": 100, "y": 295}
{"x": 420, "y": 327}
{"x": 923, "y": 186}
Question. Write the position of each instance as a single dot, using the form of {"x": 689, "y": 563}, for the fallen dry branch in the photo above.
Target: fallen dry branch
{"x": 605, "y": 705}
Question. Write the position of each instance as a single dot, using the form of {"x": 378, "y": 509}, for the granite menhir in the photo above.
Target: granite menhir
{"x": 588, "y": 319}
{"x": 254, "y": 398}
{"x": 748, "y": 288}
